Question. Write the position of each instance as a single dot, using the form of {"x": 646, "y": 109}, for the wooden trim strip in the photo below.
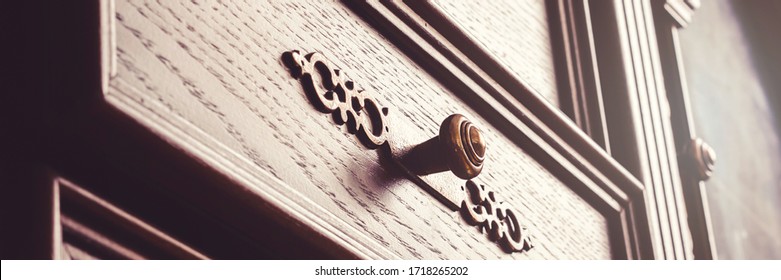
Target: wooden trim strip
{"x": 98, "y": 206}
{"x": 638, "y": 112}
{"x": 576, "y": 67}
{"x": 668, "y": 19}
{"x": 108, "y": 42}
{"x": 198, "y": 145}
{"x": 542, "y": 130}
{"x": 501, "y": 86}
{"x": 95, "y": 241}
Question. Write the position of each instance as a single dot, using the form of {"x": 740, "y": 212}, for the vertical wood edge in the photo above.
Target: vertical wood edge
{"x": 693, "y": 191}
{"x": 642, "y": 89}
{"x": 57, "y": 253}
{"x": 108, "y": 42}
{"x": 577, "y": 69}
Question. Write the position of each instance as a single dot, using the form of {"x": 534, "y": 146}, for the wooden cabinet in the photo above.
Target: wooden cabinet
{"x": 283, "y": 129}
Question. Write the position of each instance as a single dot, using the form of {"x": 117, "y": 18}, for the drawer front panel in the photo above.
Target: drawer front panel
{"x": 515, "y": 33}
{"x": 209, "y": 77}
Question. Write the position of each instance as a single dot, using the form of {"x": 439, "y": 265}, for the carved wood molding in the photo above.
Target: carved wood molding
{"x": 669, "y": 17}
{"x": 640, "y": 32}
{"x": 577, "y": 69}
{"x": 86, "y": 219}
{"x": 108, "y": 43}
{"x": 681, "y": 11}
{"x": 196, "y": 143}
{"x": 544, "y": 131}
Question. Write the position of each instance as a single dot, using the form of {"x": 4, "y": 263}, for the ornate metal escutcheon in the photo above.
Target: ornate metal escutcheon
{"x": 480, "y": 208}
{"x": 331, "y": 92}
{"x": 459, "y": 147}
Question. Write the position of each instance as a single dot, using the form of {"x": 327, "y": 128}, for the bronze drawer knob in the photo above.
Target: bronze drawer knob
{"x": 459, "y": 147}
{"x": 702, "y": 158}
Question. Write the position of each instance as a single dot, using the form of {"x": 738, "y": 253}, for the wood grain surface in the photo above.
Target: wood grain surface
{"x": 516, "y": 33}
{"x": 208, "y": 77}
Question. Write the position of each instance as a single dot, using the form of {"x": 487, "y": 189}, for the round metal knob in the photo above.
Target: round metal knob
{"x": 459, "y": 147}
{"x": 702, "y": 158}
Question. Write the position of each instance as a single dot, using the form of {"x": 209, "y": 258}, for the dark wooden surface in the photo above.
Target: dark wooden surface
{"x": 86, "y": 227}
{"x": 32, "y": 228}
{"x": 209, "y": 79}
{"x": 56, "y": 124}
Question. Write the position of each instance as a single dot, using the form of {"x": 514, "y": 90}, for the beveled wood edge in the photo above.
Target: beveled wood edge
{"x": 202, "y": 147}
{"x": 256, "y": 182}
{"x": 550, "y": 130}
{"x": 525, "y": 103}
{"x": 668, "y": 23}
{"x": 108, "y": 43}
{"x": 576, "y": 67}
{"x": 84, "y": 198}
{"x": 482, "y": 101}
{"x": 680, "y": 11}
{"x": 96, "y": 239}
{"x": 626, "y": 29}
{"x": 56, "y": 249}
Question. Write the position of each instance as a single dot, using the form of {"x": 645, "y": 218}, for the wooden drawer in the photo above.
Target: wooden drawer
{"x": 515, "y": 33}
{"x": 210, "y": 78}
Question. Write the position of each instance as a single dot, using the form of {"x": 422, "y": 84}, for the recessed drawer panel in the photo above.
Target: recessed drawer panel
{"x": 210, "y": 77}
{"x": 515, "y": 33}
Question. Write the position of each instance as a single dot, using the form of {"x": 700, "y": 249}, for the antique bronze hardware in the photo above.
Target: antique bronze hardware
{"x": 480, "y": 208}
{"x": 702, "y": 158}
{"x": 459, "y": 147}
{"x": 329, "y": 90}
